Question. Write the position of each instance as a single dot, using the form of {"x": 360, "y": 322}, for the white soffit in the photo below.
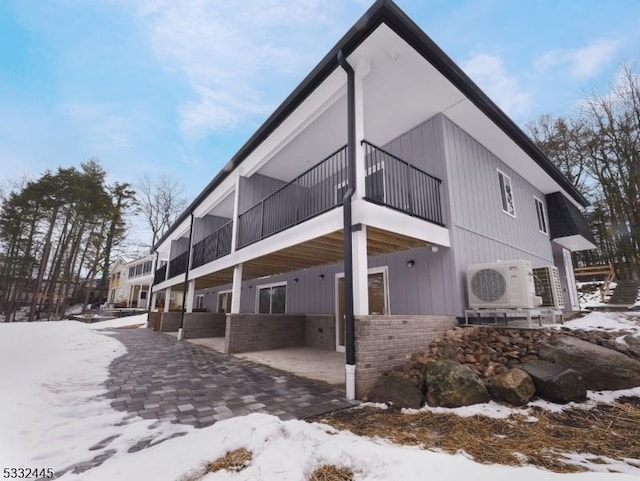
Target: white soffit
{"x": 323, "y": 136}
{"x": 402, "y": 90}
{"x": 318, "y": 104}
{"x": 575, "y": 243}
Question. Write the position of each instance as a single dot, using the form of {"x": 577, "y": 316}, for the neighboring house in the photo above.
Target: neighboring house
{"x": 139, "y": 280}
{"x": 441, "y": 179}
{"x": 118, "y": 292}
{"x": 130, "y": 282}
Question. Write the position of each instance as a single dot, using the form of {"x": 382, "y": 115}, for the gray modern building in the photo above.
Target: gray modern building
{"x": 348, "y": 220}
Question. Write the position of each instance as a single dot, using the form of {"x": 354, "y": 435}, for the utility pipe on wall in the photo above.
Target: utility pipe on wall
{"x": 350, "y": 345}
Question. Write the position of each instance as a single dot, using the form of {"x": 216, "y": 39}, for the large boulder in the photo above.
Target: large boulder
{"x": 399, "y": 391}
{"x": 451, "y": 385}
{"x": 514, "y": 387}
{"x": 601, "y": 368}
{"x": 634, "y": 345}
{"x": 556, "y": 383}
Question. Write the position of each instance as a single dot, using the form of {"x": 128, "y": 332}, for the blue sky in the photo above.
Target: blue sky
{"x": 153, "y": 86}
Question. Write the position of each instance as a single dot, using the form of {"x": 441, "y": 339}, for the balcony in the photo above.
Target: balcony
{"x": 393, "y": 183}
{"x": 160, "y": 275}
{"x": 213, "y": 246}
{"x": 178, "y": 265}
{"x": 316, "y": 191}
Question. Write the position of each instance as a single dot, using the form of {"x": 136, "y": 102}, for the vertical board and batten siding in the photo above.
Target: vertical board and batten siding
{"x": 255, "y": 188}
{"x": 480, "y": 231}
{"x": 427, "y": 291}
{"x": 203, "y": 226}
{"x": 417, "y": 290}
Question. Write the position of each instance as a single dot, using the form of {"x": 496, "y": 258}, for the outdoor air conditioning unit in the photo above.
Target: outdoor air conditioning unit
{"x": 547, "y": 283}
{"x": 506, "y": 285}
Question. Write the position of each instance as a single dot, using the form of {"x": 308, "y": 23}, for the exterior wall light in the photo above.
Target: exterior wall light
{"x": 410, "y": 264}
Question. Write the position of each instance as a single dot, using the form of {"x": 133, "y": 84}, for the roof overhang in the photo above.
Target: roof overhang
{"x": 386, "y": 46}
{"x": 567, "y": 225}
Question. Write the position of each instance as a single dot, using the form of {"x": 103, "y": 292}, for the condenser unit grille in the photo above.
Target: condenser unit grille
{"x": 488, "y": 285}
{"x": 547, "y": 282}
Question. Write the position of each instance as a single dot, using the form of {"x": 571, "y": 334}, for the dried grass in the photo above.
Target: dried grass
{"x": 235, "y": 460}
{"x": 608, "y": 430}
{"x": 329, "y": 472}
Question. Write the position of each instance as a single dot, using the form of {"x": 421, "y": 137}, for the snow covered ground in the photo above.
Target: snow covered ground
{"x": 589, "y": 293}
{"x": 52, "y": 411}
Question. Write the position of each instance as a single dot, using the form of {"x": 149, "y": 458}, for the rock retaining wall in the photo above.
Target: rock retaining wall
{"x": 494, "y": 350}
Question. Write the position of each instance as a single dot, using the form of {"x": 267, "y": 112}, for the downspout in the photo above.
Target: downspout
{"x": 350, "y": 344}
{"x": 150, "y": 299}
{"x": 185, "y": 289}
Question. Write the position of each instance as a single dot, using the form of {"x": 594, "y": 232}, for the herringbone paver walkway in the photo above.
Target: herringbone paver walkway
{"x": 162, "y": 378}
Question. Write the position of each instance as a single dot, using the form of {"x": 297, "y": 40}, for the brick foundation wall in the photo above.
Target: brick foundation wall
{"x": 262, "y": 332}
{"x": 383, "y": 342}
{"x": 170, "y": 322}
{"x": 204, "y": 324}
{"x": 153, "y": 320}
{"x": 320, "y": 331}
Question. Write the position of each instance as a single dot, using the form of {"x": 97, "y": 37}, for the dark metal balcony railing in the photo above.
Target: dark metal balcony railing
{"x": 178, "y": 265}
{"x": 392, "y": 182}
{"x": 213, "y": 246}
{"x": 160, "y": 275}
{"x": 317, "y": 190}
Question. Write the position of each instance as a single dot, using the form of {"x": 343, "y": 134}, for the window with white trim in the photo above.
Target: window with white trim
{"x": 542, "y": 218}
{"x": 200, "y": 301}
{"x": 224, "y": 302}
{"x": 506, "y": 194}
{"x": 272, "y": 299}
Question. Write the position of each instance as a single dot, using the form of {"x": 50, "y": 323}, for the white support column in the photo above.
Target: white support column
{"x": 154, "y": 298}
{"x": 191, "y": 289}
{"x": 236, "y": 213}
{"x": 360, "y": 158}
{"x": 237, "y": 286}
{"x": 360, "y": 273}
{"x": 167, "y": 299}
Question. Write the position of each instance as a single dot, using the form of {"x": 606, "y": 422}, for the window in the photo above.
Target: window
{"x": 224, "y": 302}
{"x": 542, "y": 219}
{"x": 147, "y": 267}
{"x": 272, "y": 299}
{"x": 132, "y": 271}
{"x": 200, "y": 301}
{"x": 506, "y": 194}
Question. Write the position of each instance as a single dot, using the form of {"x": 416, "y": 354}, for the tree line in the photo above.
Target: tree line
{"x": 59, "y": 233}
{"x": 598, "y": 148}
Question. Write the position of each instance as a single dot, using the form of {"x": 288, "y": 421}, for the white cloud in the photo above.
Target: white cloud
{"x": 224, "y": 51}
{"x": 489, "y": 72}
{"x": 582, "y": 62}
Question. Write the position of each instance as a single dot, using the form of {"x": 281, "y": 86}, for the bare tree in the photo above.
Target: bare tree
{"x": 160, "y": 201}
{"x": 598, "y": 149}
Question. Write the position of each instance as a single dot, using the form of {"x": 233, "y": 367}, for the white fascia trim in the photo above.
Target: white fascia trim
{"x": 220, "y": 193}
{"x": 575, "y": 243}
{"x": 177, "y": 233}
{"x": 174, "y": 281}
{"x": 312, "y": 108}
{"x": 394, "y": 221}
{"x": 318, "y": 226}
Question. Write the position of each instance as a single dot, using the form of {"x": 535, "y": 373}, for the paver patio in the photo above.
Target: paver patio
{"x": 162, "y": 378}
